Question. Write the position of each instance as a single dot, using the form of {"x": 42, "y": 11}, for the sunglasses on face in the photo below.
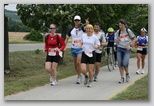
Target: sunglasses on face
{"x": 52, "y": 28}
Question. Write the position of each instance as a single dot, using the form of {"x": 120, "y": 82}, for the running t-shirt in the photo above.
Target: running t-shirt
{"x": 141, "y": 40}
{"x": 89, "y": 42}
{"x": 76, "y": 34}
{"x": 124, "y": 38}
{"x": 101, "y": 37}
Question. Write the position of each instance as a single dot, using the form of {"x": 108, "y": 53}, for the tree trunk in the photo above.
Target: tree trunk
{"x": 6, "y": 47}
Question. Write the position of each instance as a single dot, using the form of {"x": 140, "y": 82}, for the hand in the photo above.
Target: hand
{"x": 143, "y": 44}
{"x": 58, "y": 50}
{"x": 117, "y": 40}
{"x": 96, "y": 46}
{"x": 128, "y": 48}
{"x": 65, "y": 49}
{"x": 87, "y": 21}
{"x": 44, "y": 51}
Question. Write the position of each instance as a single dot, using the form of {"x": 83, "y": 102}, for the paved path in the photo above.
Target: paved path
{"x": 24, "y": 47}
{"x": 104, "y": 89}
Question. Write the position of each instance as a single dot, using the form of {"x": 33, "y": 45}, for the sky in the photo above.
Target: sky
{"x": 11, "y": 7}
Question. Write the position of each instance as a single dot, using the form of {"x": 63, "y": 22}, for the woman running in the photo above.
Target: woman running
{"x": 53, "y": 51}
{"x": 90, "y": 43}
{"x": 142, "y": 43}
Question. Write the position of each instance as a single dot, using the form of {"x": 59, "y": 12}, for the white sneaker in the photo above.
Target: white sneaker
{"x": 89, "y": 84}
{"x": 79, "y": 79}
{"x": 53, "y": 83}
{"x": 138, "y": 72}
{"x": 142, "y": 72}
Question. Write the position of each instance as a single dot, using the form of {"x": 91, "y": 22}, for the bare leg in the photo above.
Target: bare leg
{"x": 97, "y": 69}
{"x": 138, "y": 60}
{"x": 143, "y": 61}
{"x": 48, "y": 68}
{"x": 121, "y": 69}
{"x": 83, "y": 69}
{"x": 90, "y": 70}
{"x": 54, "y": 69}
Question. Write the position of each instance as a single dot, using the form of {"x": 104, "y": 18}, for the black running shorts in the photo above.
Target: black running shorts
{"x": 88, "y": 60}
{"x": 98, "y": 57}
{"x": 52, "y": 59}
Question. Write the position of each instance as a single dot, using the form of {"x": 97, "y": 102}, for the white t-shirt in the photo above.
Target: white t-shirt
{"x": 89, "y": 42}
{"x": 76, "y": 34}
{"x": 101, "y": 37}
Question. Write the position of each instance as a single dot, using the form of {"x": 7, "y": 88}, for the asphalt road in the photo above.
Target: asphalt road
{"x": 66, "y": 89}
{"x": 25, "y": 47}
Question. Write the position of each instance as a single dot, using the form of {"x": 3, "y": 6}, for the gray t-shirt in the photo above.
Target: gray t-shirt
{"x": 101, "y": 37}
{"x": 124, "y": 38}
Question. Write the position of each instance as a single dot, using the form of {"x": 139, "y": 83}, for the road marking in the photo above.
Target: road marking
{"x": 125, "y": 87}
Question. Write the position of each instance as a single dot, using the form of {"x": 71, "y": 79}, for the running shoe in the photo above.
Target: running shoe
{"x": 86, "y": 81}
{"x": 95, "y": 78}
{"x": 79, "y": 79}
{"x": 121, "y": 80}
{"x": 127, "y": 77}
{"x": 89, "y": 84}
{"x": 142, "y": 72}
{"x": 53, "y": 83}
{"x": 138, "y": 72}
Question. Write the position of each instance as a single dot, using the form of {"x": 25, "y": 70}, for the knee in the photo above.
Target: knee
{"x": 47, "y": 68}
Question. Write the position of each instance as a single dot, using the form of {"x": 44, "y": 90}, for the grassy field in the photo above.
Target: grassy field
{"x": 138, "y": 91}
{"x": 17, "y": 38}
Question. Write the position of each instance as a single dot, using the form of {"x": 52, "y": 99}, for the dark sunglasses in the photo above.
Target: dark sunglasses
{"x": 76, "y": 20}
{"x": 52, "y": 28}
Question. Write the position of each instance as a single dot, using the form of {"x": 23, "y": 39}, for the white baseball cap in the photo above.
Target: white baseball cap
{"x": 143, "y": 29}
{"x": 77, "y": 17}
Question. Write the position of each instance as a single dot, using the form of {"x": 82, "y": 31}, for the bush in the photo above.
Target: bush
{"x": 34, "y": 36}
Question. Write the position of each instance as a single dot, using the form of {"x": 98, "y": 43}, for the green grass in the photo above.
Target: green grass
{"x": 28, "y": 70}
{"x": 138, "y": 91}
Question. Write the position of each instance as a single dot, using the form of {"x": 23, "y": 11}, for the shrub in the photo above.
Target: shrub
{"x": 34, "y": 36}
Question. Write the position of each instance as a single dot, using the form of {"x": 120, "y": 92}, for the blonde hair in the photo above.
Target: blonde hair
{"x": 90, "y": 26}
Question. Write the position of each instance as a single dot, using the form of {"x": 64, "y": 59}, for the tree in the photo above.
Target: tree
{"x": 6, "y": 48}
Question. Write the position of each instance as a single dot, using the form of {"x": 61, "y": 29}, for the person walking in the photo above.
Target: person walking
{"x": 125, "y": 38}
{"x": 54, "y": 45}
{"x": 76, "y": 34}
{"x": 142, "y": 43}
{"x": 90, "y": 43}
{"x": 101, "y": 37}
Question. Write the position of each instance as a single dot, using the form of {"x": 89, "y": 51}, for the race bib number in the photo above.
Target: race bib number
{"x": 140, "y": 48}
{"x": 89, "y": 54}
{"x": 52, "y": 52}
{"x": 123, "y": 38}
{"x": 77, "y": 42}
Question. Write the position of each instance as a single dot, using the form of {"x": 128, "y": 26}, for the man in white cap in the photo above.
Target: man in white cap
{"x": 76, "y": 33}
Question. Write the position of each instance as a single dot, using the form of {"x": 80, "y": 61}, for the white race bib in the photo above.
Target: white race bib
{"x": 77, "y": 42}
{"x": 52, "y": 51}
{"x": 140, "y": 48}
{"x": 89, "y": 54}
